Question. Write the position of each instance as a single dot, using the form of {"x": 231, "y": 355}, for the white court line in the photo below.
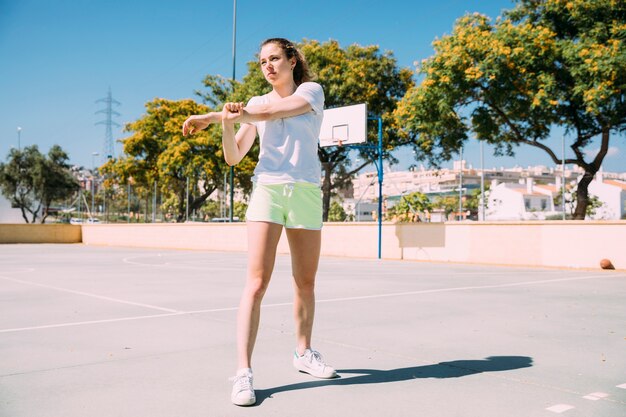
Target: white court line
{"x": 130, "y": 261}
{"x": 477, "y": 287}
{"x": 213, "y": 266}
{"x": 81, "y": 323}
{"x": 19, "y": 271}
{"x": 623, "y": 386}
{"x": 560, "y": 408}
{"x": 86, "y": 294}
{"x": 595, "y": 396}
{"x": 154, "y": 316}
{"x": 426, "y": 274}
{"x": 217, "y": 310}
{"x": 329, "y": 300}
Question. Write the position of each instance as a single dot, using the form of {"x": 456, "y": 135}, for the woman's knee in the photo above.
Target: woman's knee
{"x": 256, "y": 287}
{"x": 305, "y": 285}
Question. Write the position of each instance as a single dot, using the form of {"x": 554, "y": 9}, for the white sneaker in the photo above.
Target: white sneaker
{"x": 311, "y": 363}
{"x": 243, "y": 392}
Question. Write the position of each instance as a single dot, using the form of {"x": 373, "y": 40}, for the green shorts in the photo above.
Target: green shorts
{"x": 295, "y": 206}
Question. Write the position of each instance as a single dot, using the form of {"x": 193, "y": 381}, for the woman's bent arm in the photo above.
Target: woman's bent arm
{"x": 236, "y": 146}
{"x": 285, "y": 107}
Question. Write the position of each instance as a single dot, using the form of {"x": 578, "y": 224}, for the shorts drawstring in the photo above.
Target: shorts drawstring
{"x": 287, "y": 190}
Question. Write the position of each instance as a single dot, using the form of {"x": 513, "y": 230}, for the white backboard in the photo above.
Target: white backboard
{"x": 344, "y": 125}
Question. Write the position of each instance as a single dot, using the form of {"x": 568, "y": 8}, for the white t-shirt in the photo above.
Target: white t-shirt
{"x": 289, "y": 146}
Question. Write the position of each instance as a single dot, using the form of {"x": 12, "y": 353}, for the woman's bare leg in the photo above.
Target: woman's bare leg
{"x": 262, "y": 241}
{"x": 305, "y": 247}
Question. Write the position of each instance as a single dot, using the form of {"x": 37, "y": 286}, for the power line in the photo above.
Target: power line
{"x": 107, "y": 148}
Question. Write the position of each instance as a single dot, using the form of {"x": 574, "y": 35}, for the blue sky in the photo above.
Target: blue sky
{"x": 58, "y": 57}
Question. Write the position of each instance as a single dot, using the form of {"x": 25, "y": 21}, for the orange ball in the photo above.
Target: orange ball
{"x": 606, "y": 264}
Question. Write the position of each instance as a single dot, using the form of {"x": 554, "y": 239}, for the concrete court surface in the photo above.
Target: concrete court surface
{"x": 100, "y": 331}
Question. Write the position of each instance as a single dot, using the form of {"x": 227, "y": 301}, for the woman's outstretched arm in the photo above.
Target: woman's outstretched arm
{"x": 279, "y": 109}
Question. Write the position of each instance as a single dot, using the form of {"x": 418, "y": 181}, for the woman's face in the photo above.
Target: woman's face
{"x": 276, "y": 68}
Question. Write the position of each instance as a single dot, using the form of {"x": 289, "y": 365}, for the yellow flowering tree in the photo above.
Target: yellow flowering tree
{"x": 546, "y": 63}
{"x": 157, "y": 151}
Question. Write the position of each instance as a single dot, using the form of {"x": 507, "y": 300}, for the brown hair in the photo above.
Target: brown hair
{"x": 301, "y": 72}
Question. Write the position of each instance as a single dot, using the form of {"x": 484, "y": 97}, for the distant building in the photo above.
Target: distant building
{"x": 612, "y": 194}
{"x": 522, "y": 201}
{"x": 523, "y": 193}
{"x": 446, "y": 181}
{"x": 9, "y": 214}
{"x": 360, "y": 211}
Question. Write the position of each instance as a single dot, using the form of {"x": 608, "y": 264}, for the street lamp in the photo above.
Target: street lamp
{"x": 482, "y": 182}
{"x": 563, "y": 175}
{"x": 232, "y": 168}
{"x": 93, "y": 180}
{"x": 19, "y": 137}
{"x": 461, "y": 185}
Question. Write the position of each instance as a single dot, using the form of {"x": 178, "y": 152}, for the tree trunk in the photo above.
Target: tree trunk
{"x": 582, "y": 191}
{"x": 194, "y": 203}
{"x": 35, "y": 213}
{"x": 145, "y": 213}
{"x": 180, "y": 218}
{"x": 45, "y": 211}
{"x": 23, "y": 210}
{"x": 44, "y": 216}
{"x": 582, "y": 196}
{"x": 326, "y": 189}
{"x": 200, "y": 200}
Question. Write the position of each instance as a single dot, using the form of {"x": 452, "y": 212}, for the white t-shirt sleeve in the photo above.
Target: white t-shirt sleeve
{"x": 313, "y": 94}
{"x": 254, "y": 101}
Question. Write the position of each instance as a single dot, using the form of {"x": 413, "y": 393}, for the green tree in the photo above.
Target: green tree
{"x": 209, "y": 210}
{"x": 447, "y": 203}
{"x": 33, "y": 182}
{"x": 547, "y": 63}
{"x": 239, "y": 210}
{"x": 158, "y": 152}
{"x": 350, "y": 75}
{"x": 472, "y": 200}
{"x": 58, "y": 181}
{"x": 336, "y": 212}
{"x": 570, "y": 203}
{"x": 409, "y": 208}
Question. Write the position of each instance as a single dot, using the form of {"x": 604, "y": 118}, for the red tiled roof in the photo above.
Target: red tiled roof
{"x": 619, "y": 184}
{"x": 525, "y": 192}
{"x": 551, "y": 188}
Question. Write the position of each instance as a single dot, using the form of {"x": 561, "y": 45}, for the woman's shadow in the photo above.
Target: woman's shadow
{"x": 453, "y": 369}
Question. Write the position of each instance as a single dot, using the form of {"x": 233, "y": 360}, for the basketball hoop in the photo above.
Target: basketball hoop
{"x": 344, "y": 126}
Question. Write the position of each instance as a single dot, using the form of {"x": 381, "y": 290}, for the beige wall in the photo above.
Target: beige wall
{"x": 552, "y": 244}
{"x": 204, "y": 236}
{"x": 577, "y": 244}
{"x": 339, "y": 239}
{"x": 40, "y": 233}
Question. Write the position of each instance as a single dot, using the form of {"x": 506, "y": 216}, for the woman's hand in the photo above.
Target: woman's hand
{"x": 198, "y": 122}
{"x": 232, "y": 112}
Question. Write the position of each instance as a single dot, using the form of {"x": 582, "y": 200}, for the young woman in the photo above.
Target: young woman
{"x": 286, "y": 194}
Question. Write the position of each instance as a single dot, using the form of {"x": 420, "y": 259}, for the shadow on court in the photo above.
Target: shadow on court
{"x": 453, "y": 369}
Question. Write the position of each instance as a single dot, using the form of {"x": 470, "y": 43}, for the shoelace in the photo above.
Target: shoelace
{"x": 315, "y": 355}
{"x": 243, "y": 382}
